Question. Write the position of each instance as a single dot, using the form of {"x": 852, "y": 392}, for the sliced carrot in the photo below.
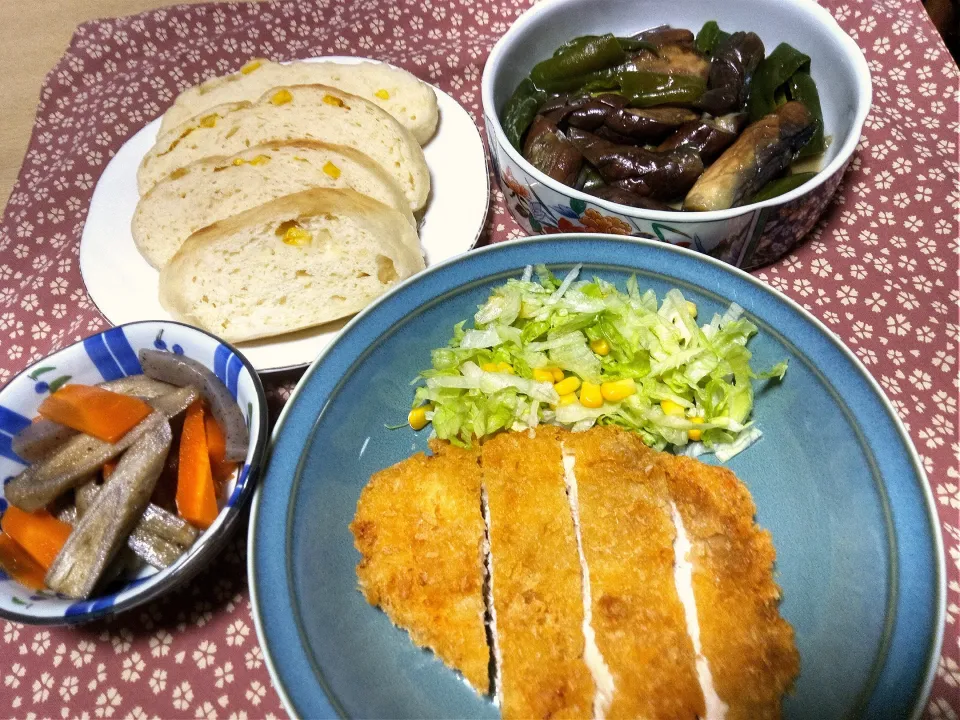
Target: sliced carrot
{"x": 108, "y": 467}
{"x": 17, "y": 563}
{"x": 92, "y": 410}
{"x": 217, "y": 445}
{"x": 39, "y": 533}
{"x": 196, "y": 495}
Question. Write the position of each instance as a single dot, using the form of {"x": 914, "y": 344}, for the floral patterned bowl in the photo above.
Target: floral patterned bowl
{"x": 748, "y": 236}
{"x": 107, "y": 356}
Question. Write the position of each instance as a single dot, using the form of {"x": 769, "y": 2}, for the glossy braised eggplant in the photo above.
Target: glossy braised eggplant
{"x": 625, "y": 197}
{"x": 550, "y": 152}
{"x": 104, "y": 528}
{"x": 666, "y": 103}
{"x": 764, "y": 150}
{"x": 643, "y": 172}
{"x": 734, "y": 62}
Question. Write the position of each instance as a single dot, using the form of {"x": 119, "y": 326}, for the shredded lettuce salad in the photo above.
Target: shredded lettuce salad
{"x": 691, "y": 384}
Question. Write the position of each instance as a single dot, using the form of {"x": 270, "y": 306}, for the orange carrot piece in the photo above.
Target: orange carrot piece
{"x": 39, "y": 533}
{"x": 196, "y": 495}
{"x": 101, "y": 413}
{"x": 17, "y": 563}
{"x": 217, "y": 445}
{"x": 108, "y": 467}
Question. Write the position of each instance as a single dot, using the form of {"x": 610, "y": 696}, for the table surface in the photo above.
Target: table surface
{"x": 880, "y": 269}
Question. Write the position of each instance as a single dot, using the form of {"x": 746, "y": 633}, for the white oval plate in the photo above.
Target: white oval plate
{"x": 124, "y": 286}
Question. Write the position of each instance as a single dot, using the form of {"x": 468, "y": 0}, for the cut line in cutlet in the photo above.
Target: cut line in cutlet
{"x": 749, "y": 647}
{"x": 421, "y": 535}
{"x": 537, "y": 592}
{"x": 628, "y": 535}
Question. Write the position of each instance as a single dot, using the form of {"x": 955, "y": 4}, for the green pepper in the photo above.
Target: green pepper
{"x": 520, "y": 110}
{"x": 709, "y": 37}
{"x": 627, "y": 44}
{"x": 580, "y": 58}
{"x": 780, "y": 186}
{"x": 802, "y": 87}
{"x": 645, "y": 89}
{"x": 772, "y": 73}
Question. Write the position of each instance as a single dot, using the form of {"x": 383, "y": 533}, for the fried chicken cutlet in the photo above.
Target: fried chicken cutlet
{"x": 750, "y": 649}
{"x": 420, "y": 532}
{"x": 627, "y": 536}
{"x": 535, "y": 579}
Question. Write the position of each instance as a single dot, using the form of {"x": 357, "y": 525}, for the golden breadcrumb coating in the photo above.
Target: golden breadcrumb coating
{"x": 537, "y": 592}
{"x": 420, "y": 531}
{"x": 750, "y": 649}
{"x": 627, "y": 534}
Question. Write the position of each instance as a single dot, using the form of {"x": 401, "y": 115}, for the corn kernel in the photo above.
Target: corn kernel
{"x": 590, "y": 395}
{"x": 281, "y": 97}
{"x": 178, "y": 173}
{"x": 418, "y": 418}
{"x": 695, "y": 433}
{"x": 671, "y": 408}
{"x": 382, "y": 94}
{"x": 692, "y": 309}
{"x": 238, "y": 161}
{"x": 567, "y": 385}
{"x": 568, "y": 399}
{"x": 505, "y": 368}
{"x": 260, "y": 160}
{"x": 296, "y": 236}
{"x": 600, "y": 347}
{"x": 333, "y": 100}
{"x": 208, "y": 121}
{"x": 489, "y": 367}
{"x": 330, "y": 169}
{"x": 543, "y": 375}
{"x": 616, "y": 390}
{"x": 250, "y": 67}
{"x": 557, "y": 375}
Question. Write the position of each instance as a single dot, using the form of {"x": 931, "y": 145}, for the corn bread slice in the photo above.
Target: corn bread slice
{"x": 212, "y": 189}
{"x": 291, "y": 263}
{"x": 299, "y": 112}
{"x": 412, "y": 102}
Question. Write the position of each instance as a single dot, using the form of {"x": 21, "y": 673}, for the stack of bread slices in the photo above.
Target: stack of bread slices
{"x": 286, "y": 196}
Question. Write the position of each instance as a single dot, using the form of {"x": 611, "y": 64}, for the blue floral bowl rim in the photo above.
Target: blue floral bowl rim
{"x": 826, "y": 20}
{"x": 935, "y": 648}
{"x": 194, "y": 564}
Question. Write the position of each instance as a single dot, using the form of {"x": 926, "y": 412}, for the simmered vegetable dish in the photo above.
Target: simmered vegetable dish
{"x": 668, "y": 120}
{"x": 122, "y": 473}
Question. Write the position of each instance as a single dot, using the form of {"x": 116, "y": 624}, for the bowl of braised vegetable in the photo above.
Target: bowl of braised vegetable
{"x": 723, "y": 127}
{"x": 126, "y": 459}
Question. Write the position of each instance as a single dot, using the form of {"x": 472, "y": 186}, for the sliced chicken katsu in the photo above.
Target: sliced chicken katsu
{"x": 750, "y": 649}
{"x": 535, "y": 579}
{"x": 627, "y": 536}
{"x": 420, "y": 531}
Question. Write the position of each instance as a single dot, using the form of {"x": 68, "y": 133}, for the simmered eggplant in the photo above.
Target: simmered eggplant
{"x": 764, "y": 150}
{"x": 624, "y": 197}
{"x": 643, "y": 172}
{"x": 549, "y": 150}
{"x": 701, "y": 135}
{"x": 612, "y": 121}
{"x": 734, "y": 61}
{"x": 103, "y": 529}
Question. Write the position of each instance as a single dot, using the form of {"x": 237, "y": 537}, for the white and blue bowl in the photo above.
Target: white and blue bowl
{"x": 747, "y": 236}
{"x": 110, "y": 355}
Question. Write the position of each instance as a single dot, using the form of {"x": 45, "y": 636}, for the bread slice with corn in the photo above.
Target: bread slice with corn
{"x": 411, "y": 102}
{"x": 296, "y": 112}
{"x": 291, "y": 263}
{"x": 212, "y": 189}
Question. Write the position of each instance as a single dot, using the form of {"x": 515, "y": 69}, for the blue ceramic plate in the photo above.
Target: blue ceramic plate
{"x": 835, "y": 479}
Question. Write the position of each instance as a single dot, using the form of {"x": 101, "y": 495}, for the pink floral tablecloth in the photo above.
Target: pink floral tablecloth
{"x": 881, "y": 270}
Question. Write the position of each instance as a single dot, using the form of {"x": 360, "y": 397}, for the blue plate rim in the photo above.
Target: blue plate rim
{"x": 932, "y": 516}
{"x": 198, "y": 562}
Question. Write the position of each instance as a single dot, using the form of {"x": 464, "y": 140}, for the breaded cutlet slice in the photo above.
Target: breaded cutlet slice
{"x": 627, "y": 535}
{"x": 535, "y": 579}
{"x": 750, "y": 649}
{"x": 420, "y": 531}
